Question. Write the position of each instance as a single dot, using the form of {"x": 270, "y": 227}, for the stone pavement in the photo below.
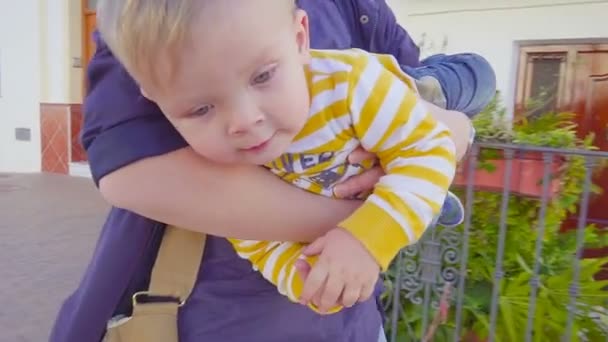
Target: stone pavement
{"x": 48, "y": 228}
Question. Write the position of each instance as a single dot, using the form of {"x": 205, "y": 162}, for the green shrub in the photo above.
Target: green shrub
{"x": 559, "y": 249}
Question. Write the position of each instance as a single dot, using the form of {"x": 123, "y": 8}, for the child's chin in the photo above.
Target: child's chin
{"x": 263, "y": 160}
{"x": 243, "y": 158}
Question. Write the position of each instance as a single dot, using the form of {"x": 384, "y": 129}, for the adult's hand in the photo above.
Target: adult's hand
{"x": 363, "y": 182}
{"x": 457, "y": 122}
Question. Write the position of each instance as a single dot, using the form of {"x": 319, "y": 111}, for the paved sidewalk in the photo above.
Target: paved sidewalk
{"x": 48, "y": 228}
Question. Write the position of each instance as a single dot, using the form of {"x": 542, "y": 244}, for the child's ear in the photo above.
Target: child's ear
{"x": 302, "y": 35}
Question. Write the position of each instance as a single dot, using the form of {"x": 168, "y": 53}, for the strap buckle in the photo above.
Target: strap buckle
{"x": 148, "y": 297}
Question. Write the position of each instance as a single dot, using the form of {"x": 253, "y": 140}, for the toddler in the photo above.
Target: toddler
{"x": 239, "y": 82}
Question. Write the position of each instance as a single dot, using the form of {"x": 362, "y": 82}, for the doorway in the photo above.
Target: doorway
{"x": 575, "y": 77}
{"x": 89, "y": 22}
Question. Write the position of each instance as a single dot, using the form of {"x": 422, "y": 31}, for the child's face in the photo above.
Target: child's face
{"x": 240, "y": 93}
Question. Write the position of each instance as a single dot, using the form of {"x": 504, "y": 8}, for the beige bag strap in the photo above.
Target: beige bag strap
{"x": 176, "y": 267}
{"x": 174, "y": 275}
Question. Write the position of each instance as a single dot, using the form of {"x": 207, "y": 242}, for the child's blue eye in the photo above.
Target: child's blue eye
{"x": 264, "y": 76}
{"x": 202, "y": 110}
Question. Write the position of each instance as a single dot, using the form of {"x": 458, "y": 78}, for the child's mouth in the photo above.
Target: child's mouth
{"x": 259, "y": 147}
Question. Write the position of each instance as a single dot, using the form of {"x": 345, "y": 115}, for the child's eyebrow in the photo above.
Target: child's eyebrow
{"x": 267, "y": 54}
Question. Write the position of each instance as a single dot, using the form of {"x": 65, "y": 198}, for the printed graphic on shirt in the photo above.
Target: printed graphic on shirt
{"x": 316, "y": 172}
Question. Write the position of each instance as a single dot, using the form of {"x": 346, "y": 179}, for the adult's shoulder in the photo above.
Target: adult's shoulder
{"x": 120, "y": 125}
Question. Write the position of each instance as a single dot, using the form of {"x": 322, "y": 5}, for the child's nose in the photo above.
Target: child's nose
{"x": 243, "y": 123}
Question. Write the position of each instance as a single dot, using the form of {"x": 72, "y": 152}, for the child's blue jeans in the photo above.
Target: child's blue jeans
{"x": 467, "y": 80}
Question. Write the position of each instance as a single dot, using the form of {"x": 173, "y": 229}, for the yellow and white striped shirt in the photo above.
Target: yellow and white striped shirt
{"x": 362, "y": 99}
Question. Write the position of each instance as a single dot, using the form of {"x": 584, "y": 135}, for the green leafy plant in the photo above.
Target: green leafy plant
{"x": 556, "y": 264}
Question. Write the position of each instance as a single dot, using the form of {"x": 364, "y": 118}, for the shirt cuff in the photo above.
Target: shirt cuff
{"x": 383, "y": 243}
{"x": 130, "y": 142}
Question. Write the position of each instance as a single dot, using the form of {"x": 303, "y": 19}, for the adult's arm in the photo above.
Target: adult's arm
{"x": 456, "y": 122}
{"x": 247, "y": 202}
{"x": 142, "y": 164}
{"x": 467, "y": 80}
{"x": 389, "y": 37}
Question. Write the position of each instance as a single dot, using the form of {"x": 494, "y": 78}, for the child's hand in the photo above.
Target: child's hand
{"x": 345, "y": 272}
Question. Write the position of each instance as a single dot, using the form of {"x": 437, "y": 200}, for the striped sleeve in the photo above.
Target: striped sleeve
{"x": 276, "y": 262}
{"x": 415, "y": 151}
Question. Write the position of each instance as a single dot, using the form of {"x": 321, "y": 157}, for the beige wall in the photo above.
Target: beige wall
{"x": 38, "y": 39}
{"x": 494, "y": 28}
{"x": 75, "y": 48}
{"x": 61, "y": 42}
{"x": 20, "y": 84}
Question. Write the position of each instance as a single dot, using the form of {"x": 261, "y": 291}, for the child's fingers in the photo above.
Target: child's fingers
{"x": 315, "y": 248}
{"x": 367, "y": 291}
{"x": 303, "y": 268}
{"x": 316, "y": 300}
{"x": 315, "y": 280}
{"x": 351, "y": 294}
{"x": 331, "y": 292}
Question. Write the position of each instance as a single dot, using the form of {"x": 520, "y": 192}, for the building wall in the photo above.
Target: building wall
{"x": 40, "y": 39}
{"x": 60, "y": 45}
{"x": 495, "y": 28}
{"x": 74, "y": 36}
{"x": 38, "y": 43}
{"x": 19, "y": 84}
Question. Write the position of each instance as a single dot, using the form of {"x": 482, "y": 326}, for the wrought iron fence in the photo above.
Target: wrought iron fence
{"x": 515, "y": 269}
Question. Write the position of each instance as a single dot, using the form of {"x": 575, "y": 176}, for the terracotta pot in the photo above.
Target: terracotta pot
{"x": 526, "y": 175}
{"x": 531, "y": 176}
{"x": 471, "y": 337}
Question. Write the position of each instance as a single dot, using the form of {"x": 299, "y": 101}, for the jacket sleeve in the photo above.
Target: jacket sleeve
{"x": 388, "y": 37}
{"x": 120, "y": 126}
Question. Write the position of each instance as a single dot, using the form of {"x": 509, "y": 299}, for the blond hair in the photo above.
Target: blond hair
{"x": 142, "y": 33}
{"x": 146, "y": 36}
